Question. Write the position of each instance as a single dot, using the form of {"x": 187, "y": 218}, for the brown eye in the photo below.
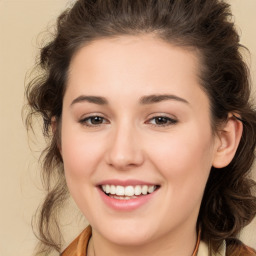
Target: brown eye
{"x": 96, "y": 120}
{"x": 162, "y": 121}
{"x": 93, "y": 121}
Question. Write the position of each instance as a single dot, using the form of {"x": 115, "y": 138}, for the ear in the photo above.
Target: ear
{"x": 228, "y": 139}
{"x": 53, "y": 124}
{"x": 54, "y": 127}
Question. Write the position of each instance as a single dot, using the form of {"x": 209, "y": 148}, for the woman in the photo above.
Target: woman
{"x": 146, "y": 107}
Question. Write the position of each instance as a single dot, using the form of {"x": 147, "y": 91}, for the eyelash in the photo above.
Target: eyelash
{"x": 85, "y": 121}
{"x": 168, "y": 121}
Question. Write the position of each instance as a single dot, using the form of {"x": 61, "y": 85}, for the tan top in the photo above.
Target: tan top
{"x": 79, "y": 246}
{"x": 235, "y": 248}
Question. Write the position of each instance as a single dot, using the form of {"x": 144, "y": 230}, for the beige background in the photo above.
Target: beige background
{"x": 20, "y": 24}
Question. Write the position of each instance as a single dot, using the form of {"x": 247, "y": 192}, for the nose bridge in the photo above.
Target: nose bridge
{"x": 125, "y": 150}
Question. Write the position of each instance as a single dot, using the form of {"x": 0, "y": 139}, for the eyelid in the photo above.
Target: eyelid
{"x": 162, "y": 114}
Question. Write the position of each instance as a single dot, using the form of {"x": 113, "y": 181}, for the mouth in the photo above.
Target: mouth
{"x": 127, "y": 192}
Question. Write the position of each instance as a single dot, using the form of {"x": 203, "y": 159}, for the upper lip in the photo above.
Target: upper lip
{"x": 129, "y": 182}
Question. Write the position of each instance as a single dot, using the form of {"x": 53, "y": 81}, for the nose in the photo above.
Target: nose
{"x": 125, "y": 150}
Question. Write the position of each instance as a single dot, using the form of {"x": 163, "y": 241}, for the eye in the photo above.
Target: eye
{"x": 162, "y": 121}
{"x": 93, "y": 121}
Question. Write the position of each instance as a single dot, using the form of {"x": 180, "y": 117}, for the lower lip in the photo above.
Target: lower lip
{"x": 126, "y": 205}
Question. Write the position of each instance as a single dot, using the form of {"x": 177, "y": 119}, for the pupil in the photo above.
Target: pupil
{"x": 161, "y": 120}
{"x": 96, "y": 120}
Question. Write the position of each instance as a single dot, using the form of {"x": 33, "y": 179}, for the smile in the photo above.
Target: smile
{"x": 127, "y": 192}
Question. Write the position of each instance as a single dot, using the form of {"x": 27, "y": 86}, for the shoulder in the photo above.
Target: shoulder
{"x": 236, "y": 248}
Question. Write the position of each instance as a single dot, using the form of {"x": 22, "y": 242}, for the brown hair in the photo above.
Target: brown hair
{"x": 204, "y": 25}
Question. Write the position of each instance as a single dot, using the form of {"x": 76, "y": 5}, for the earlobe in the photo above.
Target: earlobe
{"x": 228, "y": 140}
{"x": 53, "y": 124}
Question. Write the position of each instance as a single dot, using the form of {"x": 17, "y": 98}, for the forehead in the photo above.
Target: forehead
{"x": 133, "y": 65}
{"x": 145, "y": 52}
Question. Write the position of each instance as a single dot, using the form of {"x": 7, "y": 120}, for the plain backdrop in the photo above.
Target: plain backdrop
{"x": 22, "y": 24}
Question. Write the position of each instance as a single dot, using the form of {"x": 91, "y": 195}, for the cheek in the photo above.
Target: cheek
{"x": 185, "y": 158}
{"x": 185, "y": 164}
{"x": 80, "y": 153}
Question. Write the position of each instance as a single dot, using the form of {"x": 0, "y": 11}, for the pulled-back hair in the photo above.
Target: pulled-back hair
{"x": 204, "y": 26}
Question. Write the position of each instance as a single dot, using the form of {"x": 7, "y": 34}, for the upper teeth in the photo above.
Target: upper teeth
{"x": 128, "y": 190}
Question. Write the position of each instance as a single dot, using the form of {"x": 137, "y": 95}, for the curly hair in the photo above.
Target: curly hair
{"x": 229, "y": 202}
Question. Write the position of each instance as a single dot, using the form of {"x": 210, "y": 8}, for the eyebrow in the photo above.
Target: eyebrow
{"x": 145, "y": 100}
{"x": 91, "y": 99}
{"x": 150, "y": 99}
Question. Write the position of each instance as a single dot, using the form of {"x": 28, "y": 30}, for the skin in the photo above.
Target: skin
{"x": 129, "y": 143}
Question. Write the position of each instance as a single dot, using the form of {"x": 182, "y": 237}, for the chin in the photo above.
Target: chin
{"x": 127, "y": 235}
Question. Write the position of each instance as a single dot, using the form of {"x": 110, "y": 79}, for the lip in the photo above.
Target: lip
{"x": 126, "y": 205}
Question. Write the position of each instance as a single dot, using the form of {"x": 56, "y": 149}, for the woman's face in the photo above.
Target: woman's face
{"x": 136, "y": 124}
